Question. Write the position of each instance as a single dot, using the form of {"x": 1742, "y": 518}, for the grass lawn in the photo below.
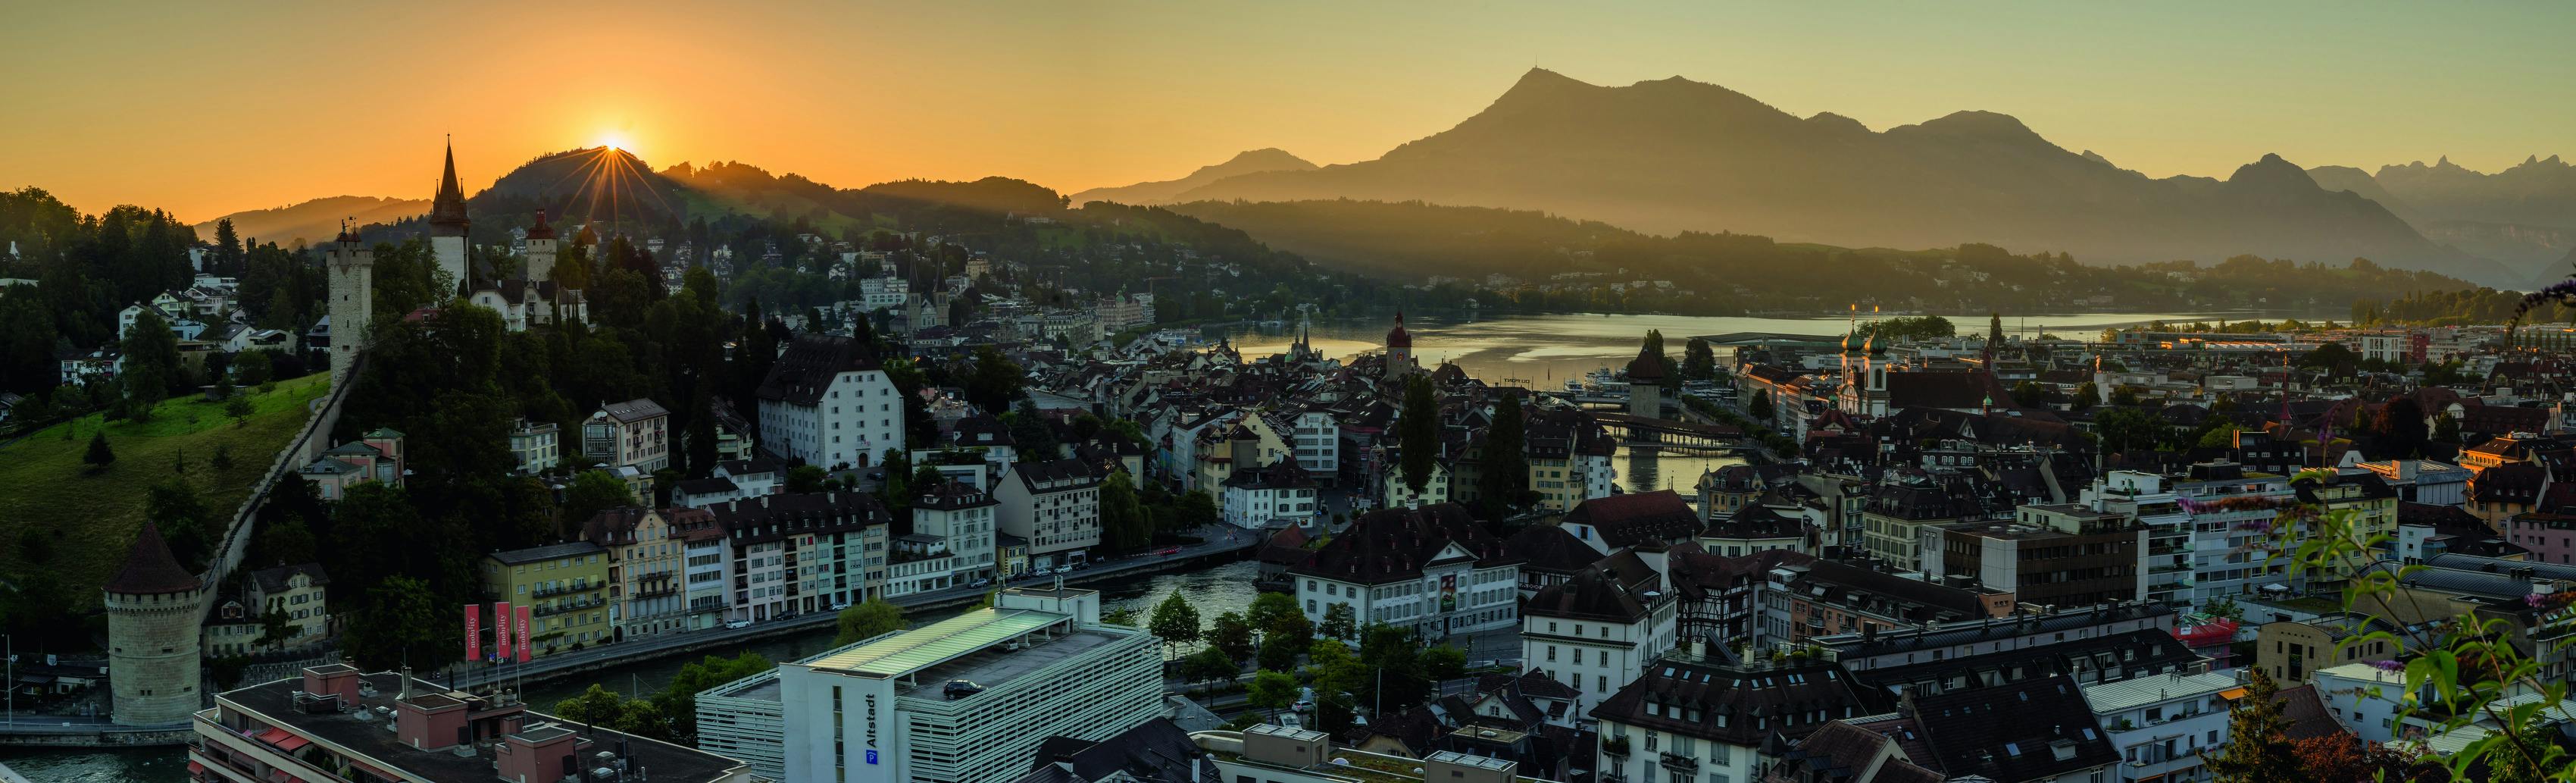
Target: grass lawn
{"x": 92, "y": 518}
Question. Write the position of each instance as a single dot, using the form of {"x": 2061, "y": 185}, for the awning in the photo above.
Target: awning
{"x": 283, "y": 739}
{"x": 2232, "y": 694}
{"x": 196, "y": 768}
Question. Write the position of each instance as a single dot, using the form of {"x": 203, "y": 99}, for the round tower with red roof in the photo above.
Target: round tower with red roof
{"x": 154, "y": 609}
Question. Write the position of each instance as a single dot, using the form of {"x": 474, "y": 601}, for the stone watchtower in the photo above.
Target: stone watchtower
{"x": 352, "y": 270}
{"x": 1646, "y": 385}
{"x": 541, "y": 250}
{"x": 1399, "y": 349}
{"x": 154, "y": 608}
{"x": 447, "y": 228}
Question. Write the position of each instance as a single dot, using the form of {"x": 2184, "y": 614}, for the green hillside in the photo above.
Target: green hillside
{"x": 89, "y": 520}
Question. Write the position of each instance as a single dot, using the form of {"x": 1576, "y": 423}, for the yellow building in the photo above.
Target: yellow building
{"x": 566, "y": 586}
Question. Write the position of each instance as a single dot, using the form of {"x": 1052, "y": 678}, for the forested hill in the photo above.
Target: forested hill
{"x": 1739, "y": 272}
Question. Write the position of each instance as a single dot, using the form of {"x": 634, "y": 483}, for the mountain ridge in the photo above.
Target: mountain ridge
{"x": 1677, "y": 155}
{"x": 1246, "y": 162}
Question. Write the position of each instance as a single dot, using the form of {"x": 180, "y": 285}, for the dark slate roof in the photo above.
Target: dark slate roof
{"x": 1758, "y": 701}
{"x": 1549, "y": 548}
{"x": 1840, "y": 752}
{"x": 1997, "y": 629}
{"x": 771, "y": 517}
{"x": 150, "y": 568}
{"x": 632, "y": 411}
{"x": 1952, "y": 390}
{"x": 952, "y": 496}
{"x": 1592, "y": 594}
{"x": 1037, "y": 476}
{"x": 1284, "y": 474}
{"x": 1756, "y": 520}
{"x": 2112, "y": 658}
{"x": 1155, "y": 750}
{"x": 272, "y": 580}
{"x": 2032, "y": 730}
{"x": 1640, "y": 518}
{"x": 1394, "y": 544}
{"x": 2307, "y": 714}
{"x": 548, "y": 552}
{"x": 807, "y": 368}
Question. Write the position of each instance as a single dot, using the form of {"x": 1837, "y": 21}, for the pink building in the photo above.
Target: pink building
{"x": 2551, "y": 537}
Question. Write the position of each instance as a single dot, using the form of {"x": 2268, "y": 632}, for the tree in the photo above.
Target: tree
{"x": 2257, "y": 750}
{"x": 869, "y": 619}
{"x": 1034, "y": 437}
{"x": 1122, "y": 519}
{"x": 806, "y": 478}
{"x": 1417, "y": 430}
{"x": 240, "y": 409}
{"x": 1502, "y": 481}
{"x": 1699, "y": 360}
{"x": 1121, "y": 617}
{"x": 2122, "y": 429}
{"x": 994, "y": 383}
{"x": 2086, "y": 396}
{"x": 1193, "y": 510}
{"x": 151, "y": 363}
{"x": 1271, "y": 690}
{"x": 1444, "y": 662}
{"x": 1175, "y": 621}
{"x": 399, "y": 624}
{"x": 2401, "y": 428}
{"x": 2332, "y": 357}
{"x": 1281, "y": 653}
{"x": 184, "y": 520}
{"x": 1278, "y": 619}
{"x": 1654, "y": 346}
{"x": 99, "y": 456}
{"x": 1760, "y": 408}
{"x": 1231, "y": 634}
{"x": 1339, "y": 622}
{"x": 680, "y": 698}
{"x": 592, "y": 492}
{"x": 1208, "y": 665}
{"x": 275, "y": 625}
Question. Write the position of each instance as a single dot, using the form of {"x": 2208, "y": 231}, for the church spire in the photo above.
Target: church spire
{"x": 448, "y": 209}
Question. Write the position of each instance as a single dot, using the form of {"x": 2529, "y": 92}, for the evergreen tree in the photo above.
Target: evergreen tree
{"x": 2257, "y": 750}
{"x": 1417, "y": 430}
{"x": 99, "y": 456}
{"x": 1122, "y": 518}
{"x": 1760, "y": 407}
{"x": 1502, "y": 478}
{"x": 151, "y": 363}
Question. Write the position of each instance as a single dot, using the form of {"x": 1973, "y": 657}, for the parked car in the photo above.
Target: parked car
{"x": 840, "y": 605}
{"x": 738, "y": 624}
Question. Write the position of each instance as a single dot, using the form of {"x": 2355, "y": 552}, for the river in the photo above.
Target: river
{"x": 1543, "y": 351}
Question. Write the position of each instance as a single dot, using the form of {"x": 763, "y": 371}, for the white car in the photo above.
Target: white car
{"x": 738, "y": 624}
{"x": 840, "y": 605}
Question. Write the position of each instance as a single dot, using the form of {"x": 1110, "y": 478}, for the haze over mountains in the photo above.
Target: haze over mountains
{"x": 1258, "y": 161}
{"x": 1676, "y": 155}
{"x": 315, "y": 220}
{"x": 2524, "y": 217}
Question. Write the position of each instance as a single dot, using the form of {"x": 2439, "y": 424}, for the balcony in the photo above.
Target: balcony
{"x": 1679, "y": 763}
{"x": 552, "y": 590}
{"x": 1615, "y": 746}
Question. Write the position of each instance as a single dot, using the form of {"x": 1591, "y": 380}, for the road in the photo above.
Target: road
{"x": 1220, "y": 539}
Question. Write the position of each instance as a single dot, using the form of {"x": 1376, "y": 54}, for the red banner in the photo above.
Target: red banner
{"x": 524, "y": 657}
{"x": 501, "y": 631}
{"x": 473, "y": 632}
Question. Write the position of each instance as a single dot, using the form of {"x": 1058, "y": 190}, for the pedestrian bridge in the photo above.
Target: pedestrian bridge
{"x": 1668, "y": 432}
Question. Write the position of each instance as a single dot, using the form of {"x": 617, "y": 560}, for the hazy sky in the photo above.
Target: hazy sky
{"x": 210, "y": 108}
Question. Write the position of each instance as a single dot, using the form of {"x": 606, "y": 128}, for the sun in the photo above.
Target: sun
{"x": 615, "y": 141}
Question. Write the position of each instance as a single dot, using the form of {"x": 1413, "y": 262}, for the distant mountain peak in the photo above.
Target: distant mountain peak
{"x": 1264, "y": 159}
{"x": 2275, "y": 171}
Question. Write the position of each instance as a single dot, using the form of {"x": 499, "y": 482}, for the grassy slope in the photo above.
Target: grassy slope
{"x": 93, "y": 518}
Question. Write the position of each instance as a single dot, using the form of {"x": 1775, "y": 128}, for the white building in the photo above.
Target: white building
{"x": 964, "y": 700}
{"x": 1316, "y": 439}
{"x": 2162, "y": 724}
{"x": 1434, "y": 569}
{"x": 828, "y": 403}
{"x": 1278, "y": 494}
{"x": 883, "y": 293}
{"x": 1055, "y": 506}
{"x": 951, "y": 543}
{"x": 1598, "y": 630}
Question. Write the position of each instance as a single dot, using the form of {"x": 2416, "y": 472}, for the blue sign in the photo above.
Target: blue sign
{"x": 872, "y": 757}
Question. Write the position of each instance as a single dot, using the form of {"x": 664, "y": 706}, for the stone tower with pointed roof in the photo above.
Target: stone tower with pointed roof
{"x": 1399, "y": 349}
{"x": 447, "y": 226}
{"x": 154, "y": 608}
{"x": 541, "y": 250}
{"x": 351, "y": 267}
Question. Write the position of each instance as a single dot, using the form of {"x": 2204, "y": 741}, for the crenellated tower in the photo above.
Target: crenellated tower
{"x": 154, "y": 611}
{"x": 351, "y": 267}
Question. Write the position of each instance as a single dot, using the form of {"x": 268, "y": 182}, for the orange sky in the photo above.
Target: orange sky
{"x": 206, "y": 109}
